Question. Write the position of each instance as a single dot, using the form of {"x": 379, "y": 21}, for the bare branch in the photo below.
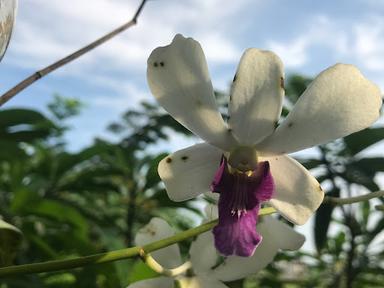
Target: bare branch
{"x": 43, "y": 72}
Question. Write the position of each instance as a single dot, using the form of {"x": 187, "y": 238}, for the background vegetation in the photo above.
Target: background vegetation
{"x": 71, "y": 204}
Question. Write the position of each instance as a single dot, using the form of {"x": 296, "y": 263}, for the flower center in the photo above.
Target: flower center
{"x": 243, "y": 159}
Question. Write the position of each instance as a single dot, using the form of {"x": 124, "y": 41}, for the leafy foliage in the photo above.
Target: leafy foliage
{"x": 70, "y": 204}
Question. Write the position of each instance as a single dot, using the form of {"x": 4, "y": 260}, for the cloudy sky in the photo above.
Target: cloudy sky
{"x": 308, "y": 35}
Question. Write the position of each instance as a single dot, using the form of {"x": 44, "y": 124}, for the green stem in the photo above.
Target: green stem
{"x": 138, "y": 251}
{"x": 113, "y": 255}
{"x": 351, "y": 200}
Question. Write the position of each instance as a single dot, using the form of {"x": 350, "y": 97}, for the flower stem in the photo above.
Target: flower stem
{"x": 113, "y": 255}
{"x": 351, "y": 200}
{"x": 132, "y": 252}
{"x": 43, "y": 72}
{"x": 158, "y": 268}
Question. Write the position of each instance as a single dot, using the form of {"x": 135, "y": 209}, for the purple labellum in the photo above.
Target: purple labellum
{"x": 241, "y": 195}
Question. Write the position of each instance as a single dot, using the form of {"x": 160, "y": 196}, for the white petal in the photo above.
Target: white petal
{"x": 273, "y": 239}
{"x": 211, "y": 211}
{"x": 212, "y": 196}
{"x": 257, "y": 96}
{"x": 283, "y": 235}
{"x": 189, "y": 172}
{"x": 203, "y": 253}
{"x": 340, "y": 101}
{"x": 201, "y": 281}
{"x": 157, "y": 229}
{"x": 7, "y": 20}
{"x": 160, "y": 282}
{"x": 178, "y": 77}
{"x": 298, "y": 194}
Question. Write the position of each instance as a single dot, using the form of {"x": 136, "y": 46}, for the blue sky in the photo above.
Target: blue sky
{"x": 309, "y": 36}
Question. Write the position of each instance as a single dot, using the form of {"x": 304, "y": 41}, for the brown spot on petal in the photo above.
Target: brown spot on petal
{"x": 184, "y": 158}
{"x": 168, "y": 160}
{"x": 155, "y": 64}
{"x": 290, "y": 124}
{"x": 162, "y": 64}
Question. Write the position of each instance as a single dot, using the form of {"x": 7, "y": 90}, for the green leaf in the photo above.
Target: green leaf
{"x": 51, "y": 209}
{"x": 365, "y": 207}
{"x": 13, "y": 117}
{"x": 353, "y": 174}
{"x": 361, "y": 140}
{"x": 295, "y": 86}
{"x": 10, "y": 241}
{"x": 323, "y": 218}
{"x": 152, "y": 177}
{"x": 370, "y": 165}
{"x": 24, "y": 125}
{"x": 9, "y": 151}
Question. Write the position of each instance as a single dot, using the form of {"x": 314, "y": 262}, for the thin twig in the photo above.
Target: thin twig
{"x": 351, "y": 200}
{"x": 43, "y": 72}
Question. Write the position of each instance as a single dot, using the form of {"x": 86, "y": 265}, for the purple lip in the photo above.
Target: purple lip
{"x": 241, "y": 195}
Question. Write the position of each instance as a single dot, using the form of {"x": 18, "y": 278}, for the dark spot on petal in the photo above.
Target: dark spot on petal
{"x": 184, "y": 158}
{"x": 162, "y": 64}
{"x": 169, "y": 160}
{"x": 234, "y": 78}
{"x": 229, "y": 129}
{"x": 230, "y": 98}
{"x": 282, "y": 82}
{"x": 290, "y": 124}
{"x": 276, "y": 159}
{"x": 155, "y": 64}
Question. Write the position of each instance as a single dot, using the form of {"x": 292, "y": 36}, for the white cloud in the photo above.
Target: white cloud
{"x": 294, "y": 53}
{"x": 63, "y": 26}
{"x": 126, "y": 95}
{"x": 360, "y": 43}
{"x": 47, "y": 30}
{"x": 368, "y": 45}
{"x": 321, "y": 31}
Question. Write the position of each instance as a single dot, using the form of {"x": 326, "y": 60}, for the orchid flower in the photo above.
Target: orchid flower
{"x": 243, "y": 160}
{"x": 7, "y": 19}
{"x": 205, "y": 272}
